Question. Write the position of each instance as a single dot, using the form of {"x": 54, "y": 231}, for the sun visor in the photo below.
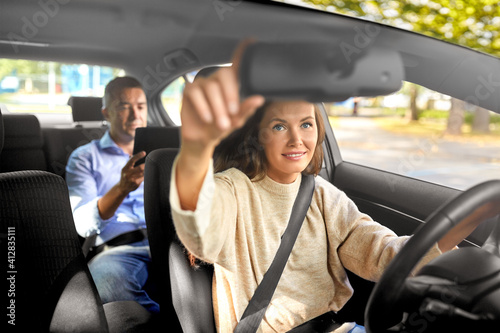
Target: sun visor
{"x": 319, "y": 72}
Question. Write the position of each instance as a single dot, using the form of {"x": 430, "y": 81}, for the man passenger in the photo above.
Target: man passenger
{"x": 106, "y": 191}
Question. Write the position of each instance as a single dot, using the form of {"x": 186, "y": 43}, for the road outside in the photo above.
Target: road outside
{"x": 435, "y": 159}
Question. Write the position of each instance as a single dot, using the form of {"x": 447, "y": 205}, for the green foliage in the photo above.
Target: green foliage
{"x": 495, "y": 119}
{"x": 434, "y": 114}
{"x": 468, "y": 117}
{"x": 471, "y": 23}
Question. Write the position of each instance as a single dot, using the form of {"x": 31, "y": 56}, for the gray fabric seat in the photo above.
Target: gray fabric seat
{"x": 29, "y": 147}
{"x": 23, "y": 144}
{"x": 52, "y": 288}
{"x": 151, "y": 138}
{"x": 185, "y": 291}
{"x": 86, "y": 108}
{"x": 59, "y": 143}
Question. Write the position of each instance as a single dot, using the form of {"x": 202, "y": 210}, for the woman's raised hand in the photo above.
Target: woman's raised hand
{"x": 211, "y": 107}
{"x": 211, "y": 110}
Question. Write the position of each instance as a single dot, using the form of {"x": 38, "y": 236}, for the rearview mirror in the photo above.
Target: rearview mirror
{"x": 318, "y": 72}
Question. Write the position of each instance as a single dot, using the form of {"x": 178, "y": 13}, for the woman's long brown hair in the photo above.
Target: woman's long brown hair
{"x": 243, "y": 149}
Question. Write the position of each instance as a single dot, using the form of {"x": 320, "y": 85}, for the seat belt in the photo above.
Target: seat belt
{"x": 88, "y": 244}
{"x": 90, "y": 250}
{"x": 256, "y": 308}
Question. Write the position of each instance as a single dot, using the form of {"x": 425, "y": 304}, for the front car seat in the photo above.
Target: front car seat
{"x": 185, "y": 291}
{"x": 50, "y": 287}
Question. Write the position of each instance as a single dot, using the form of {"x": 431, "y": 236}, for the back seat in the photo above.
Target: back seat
{"x": 30, "y": 147}
{"x": 23, "y": 144}
{"x": 27, "y": 146}
{"x": 59, "y": 143}
{"x": 85, "y": 109}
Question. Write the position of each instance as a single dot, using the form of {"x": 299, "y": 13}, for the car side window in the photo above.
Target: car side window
{"x": 421, "y": 134}
{"x": 171, "y": 97}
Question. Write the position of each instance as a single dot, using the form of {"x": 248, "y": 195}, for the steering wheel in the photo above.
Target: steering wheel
{"x": 476, "y": 204}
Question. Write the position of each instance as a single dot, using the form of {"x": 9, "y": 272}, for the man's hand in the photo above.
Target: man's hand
{"x": 131, "y": 178}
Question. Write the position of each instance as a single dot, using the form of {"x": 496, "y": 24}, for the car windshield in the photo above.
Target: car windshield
{"x": 474, "y": 24}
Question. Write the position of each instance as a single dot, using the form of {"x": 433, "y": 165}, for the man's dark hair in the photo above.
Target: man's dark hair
{"x": 116, "y": 86}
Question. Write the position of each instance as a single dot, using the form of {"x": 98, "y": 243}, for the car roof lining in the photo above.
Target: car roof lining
{"x": 211, "y": 33}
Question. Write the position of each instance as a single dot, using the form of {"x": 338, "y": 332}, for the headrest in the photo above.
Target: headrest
{"x": 86, "y": 108}
{"x": 1, "y": 131}
{"x": 21, "y": 131}
{"x": 151, "y": 138}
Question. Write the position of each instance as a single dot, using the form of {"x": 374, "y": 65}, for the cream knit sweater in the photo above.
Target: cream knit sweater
{"x": 237, "y": 226}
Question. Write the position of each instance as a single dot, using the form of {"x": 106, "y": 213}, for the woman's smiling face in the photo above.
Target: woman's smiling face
{"x": 289, "y": 136}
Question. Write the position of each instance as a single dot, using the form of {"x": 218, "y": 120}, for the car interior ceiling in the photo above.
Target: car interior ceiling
{"x": 203, "y": 27}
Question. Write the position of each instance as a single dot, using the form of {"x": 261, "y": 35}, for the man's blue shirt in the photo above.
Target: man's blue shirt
{"x": 92, "y": 170}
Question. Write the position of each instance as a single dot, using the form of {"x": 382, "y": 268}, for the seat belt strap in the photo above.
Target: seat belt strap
{"x": 256, "y": 308}
{"x": 88, "y": 244}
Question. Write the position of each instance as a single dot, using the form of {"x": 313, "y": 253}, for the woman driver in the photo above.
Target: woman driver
{"x": 235, "y": 218}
